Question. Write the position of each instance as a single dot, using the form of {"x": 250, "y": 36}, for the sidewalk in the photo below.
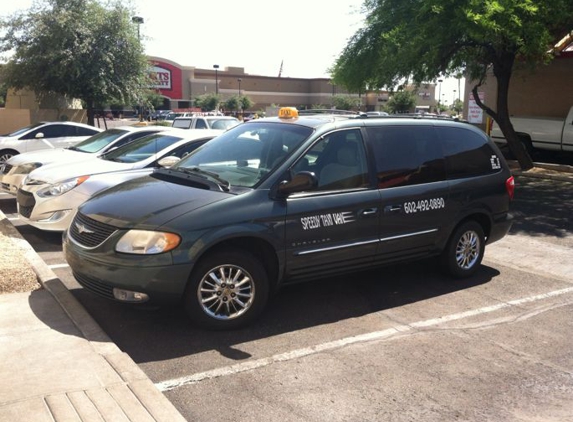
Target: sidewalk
{"x": 57, "y": 363}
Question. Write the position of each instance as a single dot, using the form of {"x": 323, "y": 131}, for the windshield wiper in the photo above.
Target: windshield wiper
{"x": 224, "y": 184}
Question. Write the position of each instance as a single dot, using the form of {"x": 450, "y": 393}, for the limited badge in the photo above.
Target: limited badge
{"x": 495, "y": 163}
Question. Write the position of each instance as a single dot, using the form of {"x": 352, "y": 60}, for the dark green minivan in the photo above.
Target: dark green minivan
{"x": 291, "y": 198}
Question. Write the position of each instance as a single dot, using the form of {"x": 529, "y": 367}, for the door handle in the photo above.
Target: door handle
{"x": 369, "y": 211}
{"x": 392, "y": 208}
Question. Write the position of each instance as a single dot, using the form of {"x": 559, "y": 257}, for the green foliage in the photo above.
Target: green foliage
{"x": 345, "y": 102}
{"x": 245, "y": 102}
{"x": 238, "y": 103}
{"x": 457, "y": 106}
{"x": 208, "y": 102}
{"x": 78, "y": 49}
{"x": 233, "y": 103}
{"x": 424, "y": 40}
{"x": 402, "y": 102}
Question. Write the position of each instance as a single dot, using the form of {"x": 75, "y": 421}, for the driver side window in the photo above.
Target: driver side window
{"x": 338, "y": 160}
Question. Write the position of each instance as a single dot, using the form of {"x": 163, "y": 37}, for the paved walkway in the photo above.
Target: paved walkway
{"x": 58, "y": 365}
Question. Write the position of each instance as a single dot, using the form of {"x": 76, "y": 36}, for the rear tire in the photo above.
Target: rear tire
{"x": 226, "y": 290}
{"x": 464, "y": 252}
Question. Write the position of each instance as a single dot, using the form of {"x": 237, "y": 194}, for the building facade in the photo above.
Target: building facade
{"x": 181, "y": 85}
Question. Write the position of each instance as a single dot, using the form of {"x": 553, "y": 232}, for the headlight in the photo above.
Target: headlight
{"x": 60, "y": 188}
{"x": 145, "y": 242}
{"x": 26, "y": 168}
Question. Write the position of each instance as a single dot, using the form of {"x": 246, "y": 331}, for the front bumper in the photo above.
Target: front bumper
{"x": 100, "y": 273}
{"x": 50, "y": 214}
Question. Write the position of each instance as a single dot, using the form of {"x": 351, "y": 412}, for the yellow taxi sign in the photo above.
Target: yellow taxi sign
{"x": 288, "y": 113}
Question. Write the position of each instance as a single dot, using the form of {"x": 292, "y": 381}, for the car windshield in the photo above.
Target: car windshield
{"x": 223, "y": 124}
{"x": 245, "y": 154}
{"x": 24, "y": 129}
{"x": 99, "y": 141}
{"x": 142, "y": 148}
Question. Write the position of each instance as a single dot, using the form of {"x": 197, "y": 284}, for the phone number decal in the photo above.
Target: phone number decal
{"x": 424, "y": 205}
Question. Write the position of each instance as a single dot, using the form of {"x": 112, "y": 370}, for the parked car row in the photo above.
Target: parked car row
{"x": 220, "y": 221}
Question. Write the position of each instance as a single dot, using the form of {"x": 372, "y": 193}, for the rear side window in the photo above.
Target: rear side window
{"x": 467, "y": 153}
{"x": 406, "y": 155}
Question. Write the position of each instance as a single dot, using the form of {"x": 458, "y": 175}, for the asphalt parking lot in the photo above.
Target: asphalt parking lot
{"x": 398, "y": 343}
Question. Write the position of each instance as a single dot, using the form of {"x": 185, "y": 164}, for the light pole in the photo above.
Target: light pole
{"x": 216, "y": 67}
{"x": 439, "y": 94}
{"x": 138, "y": 20}
{"x": 240, "y": 102}
{"x": 454, "y": 99}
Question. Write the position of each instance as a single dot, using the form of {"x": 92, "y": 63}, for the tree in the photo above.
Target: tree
{"x": 345, "y": 102}
{"x": 208, "y": 102}
{"x": 402, "y": 102}
{"x": 78, "y": 49}
{"x": 427, "y": 39}
{"x": 457, "y": 106}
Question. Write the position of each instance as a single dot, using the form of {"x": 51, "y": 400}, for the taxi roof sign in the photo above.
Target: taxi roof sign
{"x": 288, "y": 113}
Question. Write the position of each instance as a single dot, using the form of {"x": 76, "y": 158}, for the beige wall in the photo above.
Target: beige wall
{"x": 545, "y": 92}
{"x": 22, "y": 109}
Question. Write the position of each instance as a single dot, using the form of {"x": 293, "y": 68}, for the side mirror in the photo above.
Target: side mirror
{"x": 168, "y": 161}
{"x": 303, "y": 181}
{"x": 39, "y": 135}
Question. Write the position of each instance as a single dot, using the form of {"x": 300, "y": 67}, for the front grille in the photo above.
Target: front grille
{"x": 6, "y": 187}
{"x": 88, "y": 232}
{"x": 7, "y": 168}
{"x": 26, "y": 203}
{"x": 94, "y": 286}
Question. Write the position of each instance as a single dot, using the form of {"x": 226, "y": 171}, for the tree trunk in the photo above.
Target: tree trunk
{"x": 90, "y": 112}
{"x": 516, "y": 146}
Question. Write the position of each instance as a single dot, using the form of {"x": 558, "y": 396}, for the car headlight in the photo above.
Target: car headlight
{"x": 26, "y": 168}
{"x": 144, "y": 242}
{"x": 57, "y": 189}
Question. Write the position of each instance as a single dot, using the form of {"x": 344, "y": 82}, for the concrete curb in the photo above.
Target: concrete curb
{"x": 149, "y": 398}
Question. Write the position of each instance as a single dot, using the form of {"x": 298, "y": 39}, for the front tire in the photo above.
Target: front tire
{"x": 226, "y": 290}
{"x": 6, "y": 154}
{"x": 464, "y": 252}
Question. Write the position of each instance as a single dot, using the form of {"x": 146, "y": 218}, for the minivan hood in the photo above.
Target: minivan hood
{"x": 147, "y": 203}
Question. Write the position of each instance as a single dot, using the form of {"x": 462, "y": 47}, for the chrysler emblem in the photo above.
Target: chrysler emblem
{"x": 83, "y": 229}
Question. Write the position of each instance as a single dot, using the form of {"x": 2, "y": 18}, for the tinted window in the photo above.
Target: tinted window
{"x": 201, "y": 124}
{"x": 406, "y": 155}
{"x": 467, "y": 152}
{"x": 84, "y": 131}
{"x": 338, "y": 160}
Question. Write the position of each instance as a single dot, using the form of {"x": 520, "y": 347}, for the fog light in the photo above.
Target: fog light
{"x": 57, "y": 216}
{"x": 129, "y": 296}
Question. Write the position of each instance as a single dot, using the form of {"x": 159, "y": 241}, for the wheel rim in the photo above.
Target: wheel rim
{"x": 226, "y": 292}
{"x": 468, "y": 250}
{"x": 5, "y": 157}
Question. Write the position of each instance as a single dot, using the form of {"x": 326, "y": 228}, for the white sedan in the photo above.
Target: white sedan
{"x": 15, "y": 170}
{"x": 43, "y": 135}
{"x": 50, "y": 195}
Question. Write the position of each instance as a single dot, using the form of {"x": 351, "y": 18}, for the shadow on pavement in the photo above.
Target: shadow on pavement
{"x": 156, "y": 335}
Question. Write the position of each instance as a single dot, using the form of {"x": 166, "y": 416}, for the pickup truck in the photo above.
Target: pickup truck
{"x": 542, "y": 133}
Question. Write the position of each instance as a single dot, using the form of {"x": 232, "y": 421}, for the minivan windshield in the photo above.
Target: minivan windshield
{"x": 98, "y": 141}
{"x": 245, "y": 154}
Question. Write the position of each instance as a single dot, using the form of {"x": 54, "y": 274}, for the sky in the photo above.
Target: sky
{"x": 305, "y": 36}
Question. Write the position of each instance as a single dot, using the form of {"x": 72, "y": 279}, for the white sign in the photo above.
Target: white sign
{"x": 475, "y": 113}
{"x": 161, "y": 77}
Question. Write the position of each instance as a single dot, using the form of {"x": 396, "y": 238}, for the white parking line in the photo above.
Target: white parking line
{"x": 54, "y": 266}
{"x": 377, "y": 335}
